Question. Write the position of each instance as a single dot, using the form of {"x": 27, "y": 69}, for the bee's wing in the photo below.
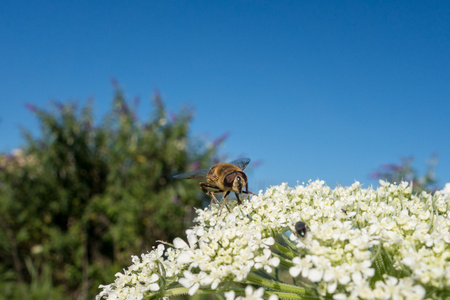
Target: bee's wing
{"x": 198, "y": 174}
{"x": 241, "y": 162}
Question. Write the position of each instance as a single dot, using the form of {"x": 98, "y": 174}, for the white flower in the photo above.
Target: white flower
{"x": 258, "y": 242}
{"x": 411, "y": 291}
{"x": 193, "y": 281}
{"x": 335, "y": 275}
{"x": 446, "y": 190}
{"x": 393, "y": 288}
{"x": 301, "y": 265}
{"x": 216, "y": 275}
{"x": 229, "y": 295}
{"x": 241, "y": 272}
{"x": 320, "y": 265}
{"x": 264, "y": 261}
{"x": 251, "y": 294}
{"x": 361, "y": 271}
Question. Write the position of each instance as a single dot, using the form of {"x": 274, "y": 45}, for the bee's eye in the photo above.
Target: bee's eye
{"x": 229, "y": 179}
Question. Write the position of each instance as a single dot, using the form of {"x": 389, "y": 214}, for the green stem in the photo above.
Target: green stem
{"x": 284, "y": 250}
{"x": 282, "y": 290}
{"x": 274, "y": 285}
{"x": 284, "y": 261}
{"x": 284, "y": 295}
{"x": 176, "y": 292}
{"x": 184, "y": 291}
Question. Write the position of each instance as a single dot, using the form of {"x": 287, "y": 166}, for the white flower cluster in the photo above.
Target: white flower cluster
{"x": 142, "y": 276}
{"x": 222, "y": 247}
{"x": 359, "y": 243}
{"x": 357, "y": 233}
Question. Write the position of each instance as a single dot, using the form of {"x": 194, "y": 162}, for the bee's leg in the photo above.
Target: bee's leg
{"x": 213, "y": 198}
{"x": 247, "y": 192}
{"x": 237, "y": 197}
{"x": 225, "y": 201}
{"x": 204, "y": 186}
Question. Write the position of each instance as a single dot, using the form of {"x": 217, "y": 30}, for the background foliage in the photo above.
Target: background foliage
{"x": 405, "y": 171}
{"x": 79, "y": 200}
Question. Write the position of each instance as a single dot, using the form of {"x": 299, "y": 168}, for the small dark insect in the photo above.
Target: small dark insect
{"x": 301, "y": 229}
{"x": 222, "y": 178}
{"x": 344, "y": 211}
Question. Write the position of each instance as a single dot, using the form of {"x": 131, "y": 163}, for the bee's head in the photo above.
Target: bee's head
{"x": 239, "y": 182}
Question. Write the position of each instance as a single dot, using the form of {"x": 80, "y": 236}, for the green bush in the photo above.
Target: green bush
{"x": 79, "y": 200}
{"x": 404, "y": 171}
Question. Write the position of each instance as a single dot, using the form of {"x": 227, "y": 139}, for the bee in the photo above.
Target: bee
{"x": 222, "y": 178}
{"x": 301, "y": 229}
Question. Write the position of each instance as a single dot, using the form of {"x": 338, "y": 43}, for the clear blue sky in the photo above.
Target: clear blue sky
{"x": 313, "y": 89}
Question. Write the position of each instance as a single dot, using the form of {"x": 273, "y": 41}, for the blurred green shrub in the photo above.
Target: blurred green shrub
{"x": 404, "y": 171}
{"x": 79, "y": 200}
